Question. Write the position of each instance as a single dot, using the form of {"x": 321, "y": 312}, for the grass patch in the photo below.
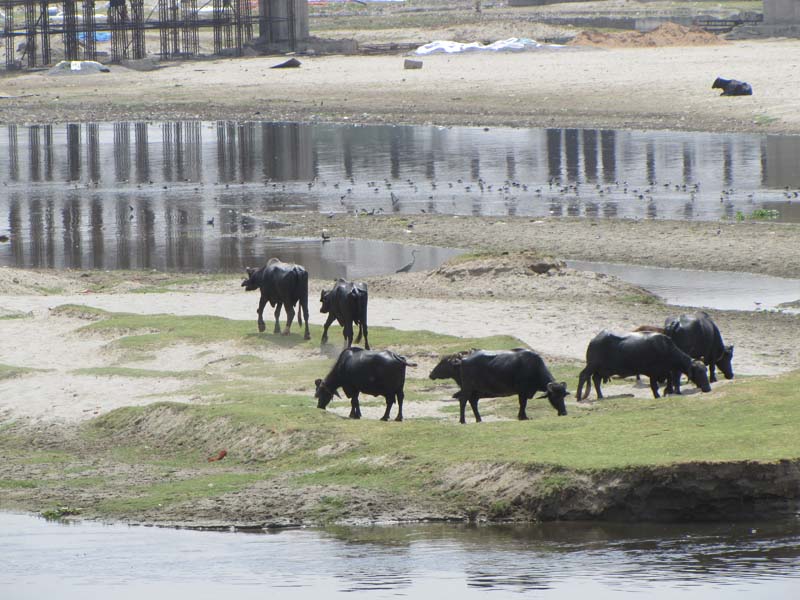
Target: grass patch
{"x": 137, "y": 373}
{"x": 145, "y": 333}
{"x": 155, "y": 496}
{"x": 59, "y": 512}
{"x": 765, "y": 119}
{"x": 11, "y": 484}
{"x": 9, "y": 371}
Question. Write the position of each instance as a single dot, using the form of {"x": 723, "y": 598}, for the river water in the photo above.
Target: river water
{"x": 564, "y": 560}
{"x": 197, "y": 196}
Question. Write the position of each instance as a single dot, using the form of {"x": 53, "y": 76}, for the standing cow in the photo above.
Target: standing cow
{"x": 699, "y": 337}
{"x": 282, "y": 285}
{"x": 486, "y": 374}
{"x": 377, "y": 373}
{"x": 651, "y": 354}
{"x": 346, "y": 303}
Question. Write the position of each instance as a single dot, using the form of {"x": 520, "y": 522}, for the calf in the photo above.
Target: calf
{"x": 346, "y": 303}
{"x": 375, "y": 373}
{"x": 651, "y": 354}
{"x": 699, "y": 337}
{"x": 485, "y": 374}
{"x": 282, "y": 285}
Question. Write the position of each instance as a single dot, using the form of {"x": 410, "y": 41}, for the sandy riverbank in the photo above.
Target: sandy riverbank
{"x": 616, "y": 87}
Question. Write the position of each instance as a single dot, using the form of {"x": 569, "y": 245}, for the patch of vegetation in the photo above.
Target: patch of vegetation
{"x": 10, "y": 484}
{"x": 9, "y": 371}
{"x": 138, "y": 373}
{"x": 59, "y": 512}
{"x": 640, "y": 299}
{"x": 765, "y": 119}
{"x": 759, "y": 214}
{"x": 329, "y": 509}
{"x": 159, "y": 331}
{"x": 150, "y": 497}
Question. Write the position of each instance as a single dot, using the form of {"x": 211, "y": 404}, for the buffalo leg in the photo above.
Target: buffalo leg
{"x": 712, "y": 373}
{"x": 277, "y": 319}
{"x": 583, "y": 378}
{"x": 523, "y": 403}
{"x": 304, "y": 307}
{"x": 389, "y": 403}
{"x": 400, "y": 396}
{"x": 462, "y": 406}
{"x": 355, "y": 407}
{"x": 347, "y": 333}
{"x": 676, "y": 382}
{"x": 260, "y": 310}
{"x": 328, "y": 322}
{"x": 289, "y": 318}
{"x": 596, "y": 379}
{"x": 654, "y": 386}
{"x": 473, "y": 402}
{"x": 366, "y": 339}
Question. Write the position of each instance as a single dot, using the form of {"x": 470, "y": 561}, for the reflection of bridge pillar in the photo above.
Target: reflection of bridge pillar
{"x": 286, "y": 152}
{"x": 782, "y": 165}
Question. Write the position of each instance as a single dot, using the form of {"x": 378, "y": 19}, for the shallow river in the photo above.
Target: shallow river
{"x": 565, "y": 560}
{"x": 194, "y": 196}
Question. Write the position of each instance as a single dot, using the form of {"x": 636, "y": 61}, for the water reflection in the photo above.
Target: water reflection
{"x": 139, "y": 195}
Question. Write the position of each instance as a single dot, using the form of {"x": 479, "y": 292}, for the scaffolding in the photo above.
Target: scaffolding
{"x": 37, "y": 33}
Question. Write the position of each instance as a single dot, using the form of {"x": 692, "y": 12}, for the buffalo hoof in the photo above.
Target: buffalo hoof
{"x": 356, "y": 417}
{"x": 308, "y": 337}
{"x": 261, "y": 327}
{"x": 398, "y": 419}
{"x": 385, "y": 418}
{"x": 522, "y": 417}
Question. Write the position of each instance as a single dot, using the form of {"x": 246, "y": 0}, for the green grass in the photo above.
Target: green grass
{"x": 137, "y": 373}
{"x": 151, "y": 497}
{"x": 9, "y": 371}
{"x": 145, "y": 333}
{"x": 265, "y": 416}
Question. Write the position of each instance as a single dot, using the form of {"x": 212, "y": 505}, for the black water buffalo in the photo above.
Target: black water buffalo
{"x": 282, "y": 285}
{"x": 699, "y": 337}
{"x": 377, "y": 373}
{"x": 731, "y": 87}
{"x": 486, "y": 374}
{"x": 449, "y": 367}
{"x": 346, "y": 303}
{"x": 648, "y": 353}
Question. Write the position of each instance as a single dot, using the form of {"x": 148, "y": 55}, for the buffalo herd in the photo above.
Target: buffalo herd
{"x": 690, "y": 345}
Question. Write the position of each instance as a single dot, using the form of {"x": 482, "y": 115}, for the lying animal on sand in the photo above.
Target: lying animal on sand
{"x": 731, "y": 87}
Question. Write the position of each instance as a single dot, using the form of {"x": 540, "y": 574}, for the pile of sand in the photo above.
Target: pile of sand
{"x": 669, "y": 34}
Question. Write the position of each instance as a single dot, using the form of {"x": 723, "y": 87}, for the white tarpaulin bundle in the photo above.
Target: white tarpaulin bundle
{"x": 509, "y": 45}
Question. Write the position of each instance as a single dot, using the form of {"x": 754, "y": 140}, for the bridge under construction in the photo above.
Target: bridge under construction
{"x": 37, "y": 33}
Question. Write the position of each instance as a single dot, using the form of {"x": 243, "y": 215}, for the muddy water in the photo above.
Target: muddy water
{"x": 707, "y": 289}
{"x": 550, "y": 560}
{"x": 197, "y": 196}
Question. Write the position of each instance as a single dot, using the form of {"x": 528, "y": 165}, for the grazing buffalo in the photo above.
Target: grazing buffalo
{"x": 449, "y": 367}
{"x": 731, "y": 87}
{"x": 651, "y": 354}
{"x": 282, "y": 285}
{"x": 485, "y": 374}
{"x": 346, "y": 303}
{"x": 699, "y": 337}
{"x": 377, "y": 373}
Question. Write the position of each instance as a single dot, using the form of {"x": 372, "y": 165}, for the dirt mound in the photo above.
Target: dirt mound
{"x": 509, "y": 276}
{"x": 669, "y": 34}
